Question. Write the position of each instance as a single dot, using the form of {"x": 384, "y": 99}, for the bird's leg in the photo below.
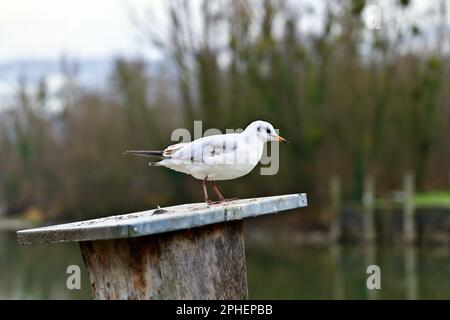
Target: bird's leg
{"x": 217, "y": 192}
{"x": 205, "y": 192}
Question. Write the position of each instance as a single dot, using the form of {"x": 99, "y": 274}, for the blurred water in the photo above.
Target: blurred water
{"x": 339, "y": 272}
{"x": 274, "y": 272}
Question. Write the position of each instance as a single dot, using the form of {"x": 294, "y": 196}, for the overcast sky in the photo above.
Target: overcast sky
{"x": 85, "y": 29}
{"x": 44, "y": 29}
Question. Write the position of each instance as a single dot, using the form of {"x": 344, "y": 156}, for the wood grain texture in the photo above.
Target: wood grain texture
{"x": 201, "y": 263}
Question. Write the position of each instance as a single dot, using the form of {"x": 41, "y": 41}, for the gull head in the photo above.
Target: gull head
{"x": 263, "y": 131}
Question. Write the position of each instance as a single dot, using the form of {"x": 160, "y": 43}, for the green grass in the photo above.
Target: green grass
{"x": 421, "y": 199}
{"x": 436, "y": 198}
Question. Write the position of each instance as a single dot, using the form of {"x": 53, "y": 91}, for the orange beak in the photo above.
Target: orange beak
{"x": 281, "y": 139}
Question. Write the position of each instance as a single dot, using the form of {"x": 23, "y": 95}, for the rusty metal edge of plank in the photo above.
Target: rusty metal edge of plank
{"x": 143, "y": 226}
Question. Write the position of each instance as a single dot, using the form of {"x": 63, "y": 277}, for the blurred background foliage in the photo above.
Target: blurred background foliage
{"x": 354, "y": 102}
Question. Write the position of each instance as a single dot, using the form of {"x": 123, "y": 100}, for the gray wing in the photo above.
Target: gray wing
{"x": 208, "y": 149}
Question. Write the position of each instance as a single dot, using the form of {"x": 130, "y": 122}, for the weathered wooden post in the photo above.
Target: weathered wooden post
{"x": 338, "y": 272}
{"x": 409, "y": 226}
{"x": 335, "y": 208}
{"x": 410, "y": 258}
{"x": 190, "y": 251}
{"x": 369, "y": 209}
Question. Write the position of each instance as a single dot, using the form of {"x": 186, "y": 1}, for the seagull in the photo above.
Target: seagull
{"x": 216, "y": 157}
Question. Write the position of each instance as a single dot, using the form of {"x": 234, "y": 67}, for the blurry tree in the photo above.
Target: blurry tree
{"x": 362, "y": 104}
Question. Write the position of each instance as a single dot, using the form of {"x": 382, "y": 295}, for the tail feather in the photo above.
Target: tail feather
{"x": 154, "y": 164}
{"x": 146, "y": 153}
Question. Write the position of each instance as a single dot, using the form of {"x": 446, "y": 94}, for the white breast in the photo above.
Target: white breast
{"x": 224, "y": 157}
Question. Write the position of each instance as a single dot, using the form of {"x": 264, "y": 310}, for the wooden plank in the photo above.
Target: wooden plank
{"x": 161, "y": 220}
{"x": 201, "y": 263}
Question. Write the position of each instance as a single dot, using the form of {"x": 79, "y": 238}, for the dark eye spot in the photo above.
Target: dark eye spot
{"x": 259, "y": 129}
{"x": 268, "y": 130}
